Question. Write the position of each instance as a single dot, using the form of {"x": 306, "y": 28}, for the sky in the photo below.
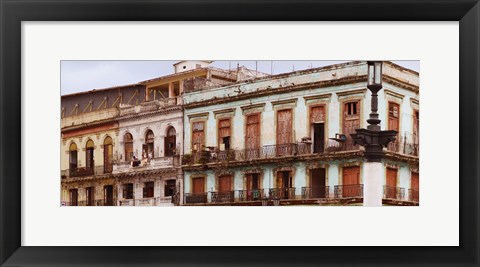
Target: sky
{"x": 86, "y": 75}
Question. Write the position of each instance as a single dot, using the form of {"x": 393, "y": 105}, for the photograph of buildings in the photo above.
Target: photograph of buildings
{"x": 224, "y": 133}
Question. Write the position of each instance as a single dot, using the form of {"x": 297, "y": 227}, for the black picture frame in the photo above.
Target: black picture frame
{"x": 13, "y": 12}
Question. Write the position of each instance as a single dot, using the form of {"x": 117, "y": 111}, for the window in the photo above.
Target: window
{"x": 393, "y": 116}
{"x": 170, "y": 141}
{"x": 90, "y": 195}
{"x": 416, "y": 125}
{"x": 252, "y": 136}
{"x": 73, "y": 158}
{"x": 73, "y": 197}
{"x": 89, "y": 155}
{"x": 169, "y": 188}
{"x": 128, "y": 191}
{"x": 224, "y": 134}
{"x": 198, "y": 135}
{"x": 128, "y": 143}
{"x": 351, "y": 117}
{"x": 148, "y": 189}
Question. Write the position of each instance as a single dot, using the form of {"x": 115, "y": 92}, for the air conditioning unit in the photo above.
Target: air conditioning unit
{"x": 306, "y": 140}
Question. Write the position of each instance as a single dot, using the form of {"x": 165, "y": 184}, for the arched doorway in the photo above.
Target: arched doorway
{"x": 107, "y": 154}
{"x": 170, "y": 141}
{"x": 128, "y": 143}
{"x": 148, "y": 146}
{"x": 89, "y": 160}
{"x": 73, "y": 158}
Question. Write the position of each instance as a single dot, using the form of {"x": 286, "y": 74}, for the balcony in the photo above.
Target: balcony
{"x": 405, "y": 145}
{"x": 222, "y": 197}
{"x": 266, "y": 152}
{"x": 315, "y": 192}
{"x": 82, "y": 171}
{"x": 126, "y": 202}
{"x": 348, "y": 191}
{"x": 145, "y": 202}
{"x": 100, "y": 202}
{"x": 281, "y": 193}
{"x": 195, "y": 198}
{"x": 391, "y": 192}
{"x": 413, "y": 195}
{"x": 250, "y": 195}
{"x": 154, "y": 163}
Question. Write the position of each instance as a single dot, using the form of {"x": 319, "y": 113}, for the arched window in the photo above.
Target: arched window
{"x": 170, "y": 141}
{"x": 128, "y": 143}
{"x": 107, "y": 154}
{"x": 73, "y": 159}
{"x": 148, "y": 146}
{"x": 89, "y": 163}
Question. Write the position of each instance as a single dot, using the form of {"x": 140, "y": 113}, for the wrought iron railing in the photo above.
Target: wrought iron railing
{"x": 281, "y": 193}
{"x": 250, "y": 195}
{"x": 404, "y": 145}
{"x": 345, "y": 191}
{"x": 413, "y": 195}
{"x": 266, "y": 152}
{"x": 221, "y": 197}
{"x": 315, "y": 192}
{"x": 392, "y": 192}
{"x": 83, "y": 171}
{"x": 193, "y": 198}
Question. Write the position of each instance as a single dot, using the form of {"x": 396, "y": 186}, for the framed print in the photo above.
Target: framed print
{"x": 282, "y": 133}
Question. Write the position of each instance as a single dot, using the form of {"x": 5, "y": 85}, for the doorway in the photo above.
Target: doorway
{"x": 317, "y": 183}
{"x": 108, "y": 195}
{"x": 318, "y": 137}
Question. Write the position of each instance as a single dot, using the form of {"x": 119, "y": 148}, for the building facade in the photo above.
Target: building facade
{"x": 287, "y": 137}
{"x": 122, "y": 146}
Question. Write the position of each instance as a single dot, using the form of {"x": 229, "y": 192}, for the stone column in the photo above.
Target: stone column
{"x": 372, "y": 184}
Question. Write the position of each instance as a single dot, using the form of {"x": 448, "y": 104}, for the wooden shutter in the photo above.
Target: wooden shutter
{"x": 416, "y": 125}
{"x": 393, "y": 116}
{"x": 351, "y": 175}
{"x": 351, "y": 117}
{"x": 415, "y": 181}
{"x": 284, "y": 126}
{"x": 198, "y": 185}
{"x": 198, "y": 136}
{"x": 252, "y": 136}
{"x": 317, "y": 114}
{"x": 391, "y": 182}
{"x": 225, "y": 183}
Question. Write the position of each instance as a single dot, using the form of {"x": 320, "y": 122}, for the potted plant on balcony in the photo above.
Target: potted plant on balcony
{"x": 187, "y": 159}
{"x": 204, "y": 157}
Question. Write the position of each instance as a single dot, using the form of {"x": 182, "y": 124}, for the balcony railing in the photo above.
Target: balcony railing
{"x": 193, "y": 198}
{"x": 222, "y": 197}
{"x": 126, "y": 202}
{"x": 392, "y": 192}
{"x": 413, "y": 195}
{"x": 345, "y": 191}
{"x": 159, "y": 162}
{"x": 315, "y": 192}
{"x": 281, "y": 193}
{"x": 145, "y": 202}
{"x": 404, "y": 145}
{"x": 266, "y": 152}
{"x": 250, "y": 195}
{"x": 99, "y": 202}
{"x": 82, "y": 171}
